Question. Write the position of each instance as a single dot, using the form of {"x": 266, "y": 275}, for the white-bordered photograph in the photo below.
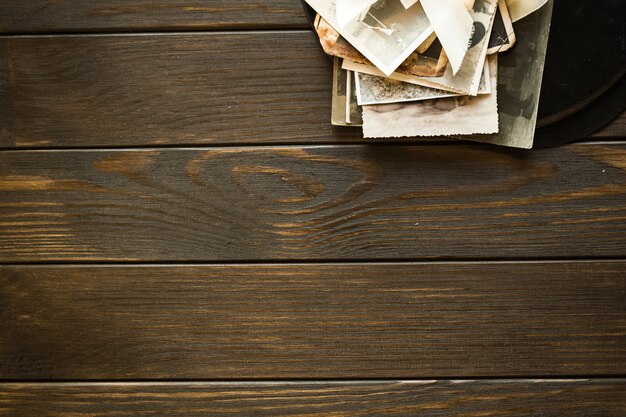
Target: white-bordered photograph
{"x": 463, "y": 115}
{"x": 502, "y": 33}
{"x": 353, "y": 109}
{"x": 467, "y": 80}
{"x": 371, "y": 89}
{"x": 338, "y": 104}
{"x": 483, "y": 86}
{"x": 385, "y": 33}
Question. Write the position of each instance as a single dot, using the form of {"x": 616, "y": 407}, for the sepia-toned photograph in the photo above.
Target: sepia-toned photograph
{"x": 429, "y": 60}
{"x": 398, "y": 76}
{"x": 483, "y": 86}
{"x": 454, "y": 27}
{"x": 386, "y": 33}
{"x": 519, "y": 82}
{"x": 338, "y": 104}
{"x": 354, "y": 112}
{"x": 502, "y": 33}
{"x": 372, "y": 89}
{"x": 519, "y": 9}
{"x": 463, "y": 115}
{"x": 467, "y": 80}
{"x": 334, "y": 44}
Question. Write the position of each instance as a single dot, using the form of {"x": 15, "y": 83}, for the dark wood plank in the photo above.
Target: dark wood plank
{"x": 78, "y": 91}
{"x": 313, "y": 320}
{"x": 317, "y": 203}
{"x": 50, "y": 16}
{"x": 617, "y": 129}
{"x": 546, "y": 398}
{"x": 164, "y": 89}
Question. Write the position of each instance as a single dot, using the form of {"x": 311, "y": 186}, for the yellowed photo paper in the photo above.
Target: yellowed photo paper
{"x": 461, "y": 115}
{"x": 385, "y": 33}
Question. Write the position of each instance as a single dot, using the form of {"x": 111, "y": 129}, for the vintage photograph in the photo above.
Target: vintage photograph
{"x": 519, "y": 82}
{"x": 344, "y": 108}
{"x": 483, "y": 86}
{"x": 467, "y": 80}
{"x": 399, "y": 76}
{"x": 386, "y": 33}
{"x": 334, "y": 44}
{"x": 372, "y": 89}
{"x": 519, "y": 9}
{"x": 454, "y": 27}
{"x": 502, "y": 34}
{"x": 429, "y": 60}
{"x": 338, "y": 104}
{"x": 448, "y": 116}
{"x": 354, "y": 112}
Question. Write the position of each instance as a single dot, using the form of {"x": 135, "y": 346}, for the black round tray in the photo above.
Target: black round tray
{"x": 583, "y": 82}
{"x": 583, "y": 85}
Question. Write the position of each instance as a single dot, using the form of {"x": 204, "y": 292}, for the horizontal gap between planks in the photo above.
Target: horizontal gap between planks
{"x": 161, "y": 32}
{"x": 450, "y": 261}
{"x": 196, "y": 146}
{"x": 619, "y": 141}
{"x": 309, "y": 381}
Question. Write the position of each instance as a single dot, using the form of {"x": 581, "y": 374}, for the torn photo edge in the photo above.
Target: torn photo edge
{"x": 386, "y": 47}
{"x": 354, "y": 112}
{"x": 440, "y": 117}
{"x": 429, "y": 59}
{"x": 372, "y": 89}
{"x": 519, "y": 82}
{"x": 502, "y": 33}
{"x": 468, "y": 79}
{"x": 454, "y": 27}
{"x": 482, "y": 87}
{"x": 338, "y": 104}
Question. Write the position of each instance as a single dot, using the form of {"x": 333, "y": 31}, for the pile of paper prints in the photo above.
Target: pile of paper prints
{"x": 456, "y": 68}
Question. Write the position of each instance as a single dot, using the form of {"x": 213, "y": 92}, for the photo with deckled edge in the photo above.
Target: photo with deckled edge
{"x": 462, "y": 115}
{"x": 372, "y": 89}
{"x": 519, "y": 82}
{"x": 502, "y": 32}
{"x": 338, "y": 104}
{"x": 386, "y": 33}
{"x": 429, "y": 59}
{"x": 467, "y": 80}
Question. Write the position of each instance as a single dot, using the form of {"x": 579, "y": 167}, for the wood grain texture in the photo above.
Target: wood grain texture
{"x": 165, "y": 89}
{"x": 305, "y": 321}
{"x": 50, "y": 16}
{"x": 616, "y": 129}
{"x": 514, "y": 398}
{"x": 209, "y": 88}
{"x": 313, "y": 203}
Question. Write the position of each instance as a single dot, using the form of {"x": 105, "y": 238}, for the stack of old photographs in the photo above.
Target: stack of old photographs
{"x": 424, "y": 68}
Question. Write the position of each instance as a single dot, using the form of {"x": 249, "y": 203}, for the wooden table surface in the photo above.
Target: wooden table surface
{"x": 183, "y": 233}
